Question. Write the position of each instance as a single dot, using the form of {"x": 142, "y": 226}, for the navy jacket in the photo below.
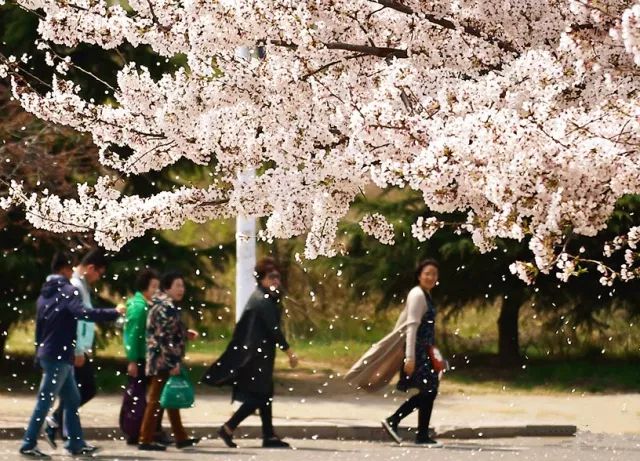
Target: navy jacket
{"x": 60, "y": 307}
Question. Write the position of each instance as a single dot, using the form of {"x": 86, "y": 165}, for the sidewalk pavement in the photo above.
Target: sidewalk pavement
{"x": 583, "y": 447}
{"x": 358, "y": 416}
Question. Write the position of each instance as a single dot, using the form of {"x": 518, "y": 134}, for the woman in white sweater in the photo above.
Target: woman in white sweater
{"x": 417, "y": 371}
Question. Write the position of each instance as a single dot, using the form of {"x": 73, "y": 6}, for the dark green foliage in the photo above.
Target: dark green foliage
{"x": 26, "y": 252}
{"x": 467, "y": 276}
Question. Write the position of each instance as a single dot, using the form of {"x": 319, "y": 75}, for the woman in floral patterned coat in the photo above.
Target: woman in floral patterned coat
{"x": 166, "y": 344}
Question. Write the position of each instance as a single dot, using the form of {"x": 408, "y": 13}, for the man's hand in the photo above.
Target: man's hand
{"x": 175, "y": 371}
{"x": 132, "y": 369}
{"x": 293, "y": 359}
{"x": 192, "y": 334}
{"x": 121, "y": 308}
{"x": 79, "y": 361}
{"x": 409, "y": 366}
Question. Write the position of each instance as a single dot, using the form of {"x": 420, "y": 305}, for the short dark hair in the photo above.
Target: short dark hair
{"x": 264, "y": 266}
{"x": 168, "y": 278}
{"x": 424, "y": 263}
{"x": 144, "y": 278}
{"x": 96, "y": 258}
{"x": 60, "y": 260}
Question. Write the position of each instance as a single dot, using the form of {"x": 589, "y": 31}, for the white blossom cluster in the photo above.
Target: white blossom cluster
{"x": 378, "y": 227}
{"x": 521, "y": 114}
{"x": 524, "y": 271}
{"x": 423, "y": 228}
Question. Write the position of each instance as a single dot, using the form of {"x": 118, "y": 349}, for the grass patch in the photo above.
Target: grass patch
{"x": 481, "y": 374}
{"x": 332, "y": 350}
{"x": 580, "y": 374}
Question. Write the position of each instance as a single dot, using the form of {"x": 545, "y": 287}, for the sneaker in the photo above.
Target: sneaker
{"x": 226, "y": 438}
{"x": 51, "y": 422}
{"x": 188, "y": 443}
{"x": 392, "y": 430}
{"x": 87, "y": 450}
{"x": 426, "y": 441}
{"x": 151, "y": 447}
{"x": 33, "y": 453}
{"x": 274, "y": 442}
{"x": 49, "y": 431}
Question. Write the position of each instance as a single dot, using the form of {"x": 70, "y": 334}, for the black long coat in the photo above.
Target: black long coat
{"x": 247, "y": 363}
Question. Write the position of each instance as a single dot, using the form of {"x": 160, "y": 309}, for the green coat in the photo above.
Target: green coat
{"x": 135, "y": 344}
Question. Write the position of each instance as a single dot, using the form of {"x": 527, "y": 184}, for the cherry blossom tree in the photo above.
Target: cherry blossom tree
{"x": 523, "y": 115}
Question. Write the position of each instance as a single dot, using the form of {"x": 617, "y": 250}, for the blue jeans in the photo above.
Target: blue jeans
{"x": 57, "y": 380}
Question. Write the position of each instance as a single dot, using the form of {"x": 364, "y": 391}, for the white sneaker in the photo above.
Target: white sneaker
{"x": 50, "y": 430}
{"x": 51, "y": 422}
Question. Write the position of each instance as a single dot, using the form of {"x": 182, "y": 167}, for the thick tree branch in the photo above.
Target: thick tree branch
{"x": 448, "y": 24}
{"x": 380, "y": 52}
{"x": 328, "y": 65}
{"x": 394, "y": 5}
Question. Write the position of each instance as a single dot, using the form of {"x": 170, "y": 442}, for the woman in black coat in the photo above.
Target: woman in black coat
{"x": 248, "y": 362}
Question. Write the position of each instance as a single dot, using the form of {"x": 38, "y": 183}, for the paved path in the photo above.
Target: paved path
{"x": 614, "y": 414}
{"x": 584, "y": 447}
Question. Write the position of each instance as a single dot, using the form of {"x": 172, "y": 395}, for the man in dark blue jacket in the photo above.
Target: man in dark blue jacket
{"x": 59, "y": 307}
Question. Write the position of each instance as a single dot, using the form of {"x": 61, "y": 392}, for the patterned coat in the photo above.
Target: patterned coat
{"x": 166, "y": 336}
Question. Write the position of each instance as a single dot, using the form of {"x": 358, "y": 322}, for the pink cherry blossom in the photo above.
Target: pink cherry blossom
{"x": 523, "y": 115}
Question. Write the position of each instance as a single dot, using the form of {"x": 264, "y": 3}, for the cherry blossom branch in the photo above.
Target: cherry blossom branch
{"x": 380, "y": 52}
{"x": 395, "y": 5}
{"x": 24, "y": 199}
{"x": 328, "y": 65}
{"x": 448, "y": 24}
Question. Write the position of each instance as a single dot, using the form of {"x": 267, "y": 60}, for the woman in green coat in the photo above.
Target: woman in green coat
{"x": 135, "y": 344}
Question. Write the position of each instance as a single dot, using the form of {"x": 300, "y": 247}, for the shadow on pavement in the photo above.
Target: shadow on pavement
{"x": 464, "y": 447}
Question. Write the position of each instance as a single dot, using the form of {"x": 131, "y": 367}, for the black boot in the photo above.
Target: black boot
{"x": 274, "y": 442}
{"x": 151, "y": 447}
{"x": 162, "y": 438}
{"x": 188, "y": 443}
{"x": 226, "y": 437}
{"x": 422, "y": 439}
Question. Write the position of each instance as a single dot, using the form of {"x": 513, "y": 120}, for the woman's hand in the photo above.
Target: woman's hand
{"x": 175, "y": 371}
{"x": 409, "y": 366}
{"x": 293, "y": 359}
{"x": 79, "y": 361}
{"x": 192, "y": 334}
{"x": 132, "y": 369}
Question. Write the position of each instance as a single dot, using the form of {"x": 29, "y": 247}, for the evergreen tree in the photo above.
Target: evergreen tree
{"x": 470, "y": 277}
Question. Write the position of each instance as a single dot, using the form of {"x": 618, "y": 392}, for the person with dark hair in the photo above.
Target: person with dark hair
{"x": 62, "y": 263}
{"x": 166, "y": 336}
{"x": 248, "y": 362}
{"x": 135, "y": 343}
{"x": 95, "y": 258}
{"x": 59, "y": 308}
{"x": 265, "y": 266}
{"x": 91, "y": 268}
{"x": 418, "y": 371}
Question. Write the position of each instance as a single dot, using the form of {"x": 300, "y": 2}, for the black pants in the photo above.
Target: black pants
{"x": 264, "y": 405}
{"x": 423, "y": 401}
{"x": 86, "y": 380}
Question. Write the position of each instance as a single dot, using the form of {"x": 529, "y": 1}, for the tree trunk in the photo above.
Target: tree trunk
{"x": 4, "y": 334}
{"x": 508, "y": 343}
